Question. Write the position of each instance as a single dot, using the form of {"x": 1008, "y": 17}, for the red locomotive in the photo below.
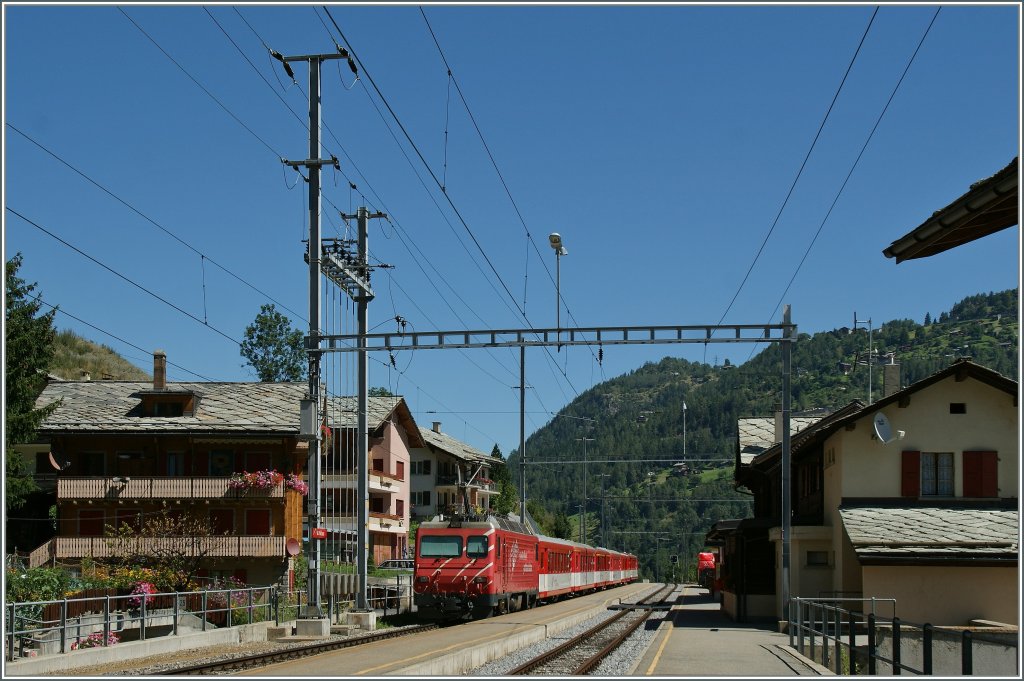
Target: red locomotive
{"x": 471, "y": 567}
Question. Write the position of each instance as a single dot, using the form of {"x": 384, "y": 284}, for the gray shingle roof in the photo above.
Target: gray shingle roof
{"x": 935, "y": 532}
{"x": 456, "y": 448}
{"x": 758, "y": 433}
{"x": 114, "y": 406}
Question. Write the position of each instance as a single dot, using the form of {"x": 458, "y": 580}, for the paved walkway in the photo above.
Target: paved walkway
{"x": 698, "y": 639}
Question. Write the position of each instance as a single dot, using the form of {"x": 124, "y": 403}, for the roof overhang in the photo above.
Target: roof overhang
{"x": 989, "y": 206}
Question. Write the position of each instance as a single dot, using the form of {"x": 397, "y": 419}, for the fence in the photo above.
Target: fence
{"x": 103, "y": 617}
{"x": 855, "y": 639}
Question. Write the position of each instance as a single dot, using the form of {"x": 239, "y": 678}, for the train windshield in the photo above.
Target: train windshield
{"x": 440, "y": 547}
{"x": 476, "y": 547}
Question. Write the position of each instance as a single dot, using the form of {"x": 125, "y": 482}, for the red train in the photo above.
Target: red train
{"x": 472, "y": 568}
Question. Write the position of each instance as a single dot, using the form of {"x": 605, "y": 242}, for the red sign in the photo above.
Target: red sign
{"x": 319, "y": 533}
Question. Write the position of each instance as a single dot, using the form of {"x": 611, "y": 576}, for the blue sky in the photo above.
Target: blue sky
{"x": 660, "y": 141}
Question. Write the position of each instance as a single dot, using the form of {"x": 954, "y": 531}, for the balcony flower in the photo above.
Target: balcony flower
{"x": 296, "y": 483}
{"x": 95, "y": 641}
{"x": 255, "y": 480}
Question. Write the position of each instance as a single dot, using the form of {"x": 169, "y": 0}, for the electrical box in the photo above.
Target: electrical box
{"x": 307, "y": 427}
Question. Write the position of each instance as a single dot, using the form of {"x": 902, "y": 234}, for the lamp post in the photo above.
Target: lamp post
{"x": 555, "y": 239}
{"x": 583, "y": 523}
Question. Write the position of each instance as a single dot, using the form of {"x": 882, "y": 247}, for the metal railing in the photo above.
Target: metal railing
{"x": 62, "y": 626}
{"x": 99, "y": 621}
{"x": 848, "y": 636}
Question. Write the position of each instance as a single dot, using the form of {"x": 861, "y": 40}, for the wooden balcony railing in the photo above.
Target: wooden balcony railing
{"x": 378, "y": 482}
{"x": 158, "y": 488}
{"x": 245, "y": 546}
{"x": 378, "y": 522}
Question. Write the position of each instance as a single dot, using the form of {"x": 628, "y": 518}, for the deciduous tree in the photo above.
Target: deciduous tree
{"x": 273, "y": 348}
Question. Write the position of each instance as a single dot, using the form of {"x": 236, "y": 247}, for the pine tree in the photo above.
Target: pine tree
{"x": 29, "y": 341}
{"x": 927, "y": 318}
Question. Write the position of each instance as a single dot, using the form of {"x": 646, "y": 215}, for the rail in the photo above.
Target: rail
{"x": 855, "y": 640}
{"x": 107, "y": 618}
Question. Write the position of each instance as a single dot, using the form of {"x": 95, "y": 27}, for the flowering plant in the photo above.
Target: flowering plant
{"x": 296, "y": 483}
{"x": 95, "y": 640}
{"x": 255, "y": 480}
{"x": 142, "y": 590}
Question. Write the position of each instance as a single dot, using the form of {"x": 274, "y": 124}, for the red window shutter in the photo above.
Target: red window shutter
{"x": 981, "y": 474}
{"x": 910, "y": 480}
{"x": 972, "y": 474}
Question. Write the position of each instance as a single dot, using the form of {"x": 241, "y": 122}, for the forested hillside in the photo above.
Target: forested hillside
{"x": 633, "y": 424}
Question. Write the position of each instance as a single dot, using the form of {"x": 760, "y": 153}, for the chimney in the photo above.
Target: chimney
{"x": 159, "y": 370}
{"x": 890, "y": 377}
{"x": 437, "y": 427}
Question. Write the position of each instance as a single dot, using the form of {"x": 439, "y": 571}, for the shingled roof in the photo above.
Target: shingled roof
{"x": 458, "y": 449}
{"x": 887, "y": 535}
{"x": 252, "y": 408}
{"x": 990, "y": 205}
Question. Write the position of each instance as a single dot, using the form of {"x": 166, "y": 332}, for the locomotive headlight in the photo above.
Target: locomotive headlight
{"x": 423, "y": 579}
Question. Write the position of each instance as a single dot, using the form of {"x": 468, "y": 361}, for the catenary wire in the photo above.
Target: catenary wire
{"x": 803, "y": 165}
{"x": 151, "y": 220}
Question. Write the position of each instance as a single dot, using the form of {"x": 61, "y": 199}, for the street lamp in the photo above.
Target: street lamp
{"x": 583, "y": 524}
{"x": 555, "y": 239}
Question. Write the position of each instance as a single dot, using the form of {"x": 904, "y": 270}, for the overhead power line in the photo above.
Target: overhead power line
{"x": 152, "y": 221}
{"x": 803, "y": 165}
{"x": 121, "y": 276}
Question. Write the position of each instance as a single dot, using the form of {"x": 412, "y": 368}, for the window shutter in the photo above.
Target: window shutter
{"x": 981, "y": 474}
{"x": 910, "y": 484}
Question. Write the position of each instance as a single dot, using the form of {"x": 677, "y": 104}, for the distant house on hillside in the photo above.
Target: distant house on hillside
{"x": 927, "y": 513}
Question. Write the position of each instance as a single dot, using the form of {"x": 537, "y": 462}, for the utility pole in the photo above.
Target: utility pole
{"x": 313, "y": 163}
{"x": 583, "y": 516}
{"x": 355, "y": 279}
{"x": 871, "y": 349}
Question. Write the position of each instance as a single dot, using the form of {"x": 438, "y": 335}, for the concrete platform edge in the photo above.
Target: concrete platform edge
{"x": 458, "y": 663}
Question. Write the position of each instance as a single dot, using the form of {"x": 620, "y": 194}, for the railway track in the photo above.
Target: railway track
{"x": 581, "y": 654}
{"x": 293, "y": 653}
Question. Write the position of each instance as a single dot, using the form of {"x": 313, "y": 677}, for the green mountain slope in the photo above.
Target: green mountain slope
{"x": 75, "y": 355}
{"x": 634, "y": 424}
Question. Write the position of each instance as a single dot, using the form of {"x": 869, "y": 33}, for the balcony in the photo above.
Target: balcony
{"x": 242, "y": 546}
{"x": 489, "y": 487}
{"x": 112, "y": 489}
{"x": 378, "y": 482}
{"x": 378, "y": 522}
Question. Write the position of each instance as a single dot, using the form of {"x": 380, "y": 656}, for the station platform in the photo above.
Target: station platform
{"x": 698, "y": 639}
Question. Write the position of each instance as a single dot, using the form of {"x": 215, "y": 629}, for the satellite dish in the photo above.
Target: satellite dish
{"x": 57, "y": 466}
{"x": 292, "y": 547}
{"x": 884, "y": 431}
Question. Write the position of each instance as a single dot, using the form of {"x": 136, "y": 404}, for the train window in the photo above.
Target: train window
{"x": 476, "y": 547}
{"x": 434, "y": 546}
